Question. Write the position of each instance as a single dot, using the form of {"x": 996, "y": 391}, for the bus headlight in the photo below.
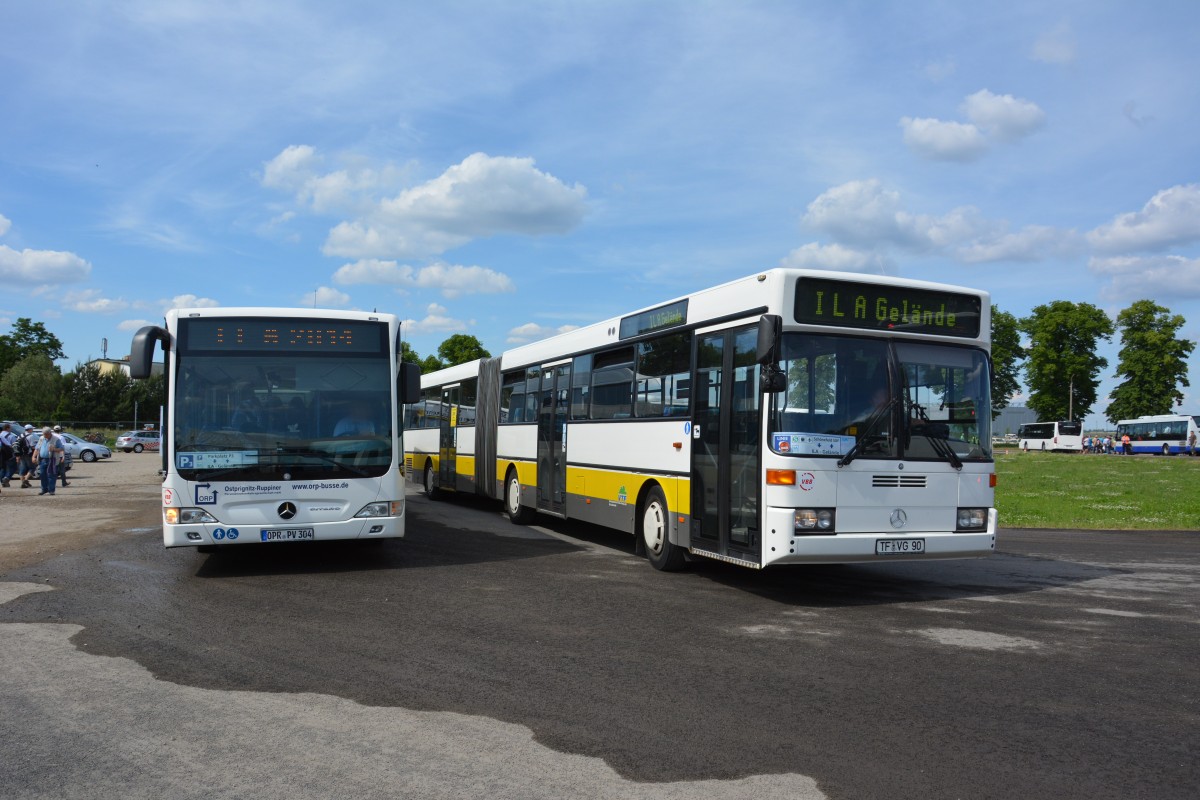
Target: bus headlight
{"x": 187, "y": 516}
{"x": 814, "y": 520}
{"x": 384, "y": 509}
{"x": 972, "y": 519}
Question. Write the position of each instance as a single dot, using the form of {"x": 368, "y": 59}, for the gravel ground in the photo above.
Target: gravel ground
{"x": 104, "y": 499}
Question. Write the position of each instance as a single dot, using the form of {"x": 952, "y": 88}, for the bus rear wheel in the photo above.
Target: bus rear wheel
{"x": 654, "y": 525}
{"x": 517, "y": 513}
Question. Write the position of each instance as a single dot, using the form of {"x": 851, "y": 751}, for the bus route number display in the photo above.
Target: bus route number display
{"x": 868, "y": 306}
{"x": 281, "y": 335}
{"x": 656, "y": 319}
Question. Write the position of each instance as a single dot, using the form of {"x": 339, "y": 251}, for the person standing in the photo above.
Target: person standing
{"x": 64, "y": 461}
{"x": 49, "y": 449}
{"x": 25, "y": 446}
{"x": 1191, "y": 445}
{"x": 8, "y": 454}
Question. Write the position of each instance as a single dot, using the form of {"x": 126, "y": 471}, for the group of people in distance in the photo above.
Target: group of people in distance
{"x": 23, "y": 453}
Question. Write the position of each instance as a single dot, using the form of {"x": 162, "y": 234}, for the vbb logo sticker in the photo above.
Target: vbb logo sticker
{"x": 806, "y": 481}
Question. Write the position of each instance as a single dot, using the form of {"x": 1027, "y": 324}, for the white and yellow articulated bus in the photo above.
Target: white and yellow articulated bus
{"x": 280, "y": 425}
{"x": 788, "y": 417}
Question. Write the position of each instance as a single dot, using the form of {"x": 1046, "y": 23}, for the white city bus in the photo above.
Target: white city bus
{"x": 280, "y": 425}
{"x": 1159, "y": 433}
{"x": 788, "y": 417}
{"x": 1065, "y": 436}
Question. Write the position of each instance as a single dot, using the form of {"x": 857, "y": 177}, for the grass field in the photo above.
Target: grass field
{"x": 1097, "y": 492}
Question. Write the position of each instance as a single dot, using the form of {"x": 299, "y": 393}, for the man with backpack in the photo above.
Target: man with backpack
{"x": 24, "y": 451}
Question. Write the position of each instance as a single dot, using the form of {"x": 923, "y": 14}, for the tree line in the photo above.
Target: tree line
{"x": 1063, "y": 370}
{"x": 33, "y": 388}
{"x": 1055, "y": 347}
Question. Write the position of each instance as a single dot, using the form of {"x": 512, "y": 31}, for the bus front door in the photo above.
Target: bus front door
{"x": 448, "y": 440}
{"x": 552, "y": 421}
{"x": 725, "y": 445}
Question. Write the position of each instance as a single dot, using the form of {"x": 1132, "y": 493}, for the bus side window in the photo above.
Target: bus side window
{"x": 612, "y": 384}
{"x": 512, "y": 397}
{"x": 581, "y": 378}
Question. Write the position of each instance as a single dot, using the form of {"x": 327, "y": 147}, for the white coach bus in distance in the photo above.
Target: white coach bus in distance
{"x": 1165, "y": 434}
{"x": 1064, "y": 437}
{"x": 280, "y": 425}
{"x": 788, "y": 417}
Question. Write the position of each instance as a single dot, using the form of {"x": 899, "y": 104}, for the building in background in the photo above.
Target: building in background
{"x": 1011, "y": 418}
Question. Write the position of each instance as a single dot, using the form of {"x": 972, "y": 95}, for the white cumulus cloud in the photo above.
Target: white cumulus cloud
{"x": 482, "y": 196}
{"x": 187, "y": 301}
{"x": 435, "y": 321}
{"x": 453, "y": 280}
{"x": 836, "y": 257}
{"x": 91, "y": 301}
{"x": 133, "y": 324}
{"x": 1170, "y": 218}
{"x": 532, "y": 332}
{"x": 1164, "y": 277}
{"x": 943, "y": 141}
{"x": 1003, "y": 116}
{"x": 325, "y": 297}
{"x": 41, "y": 266}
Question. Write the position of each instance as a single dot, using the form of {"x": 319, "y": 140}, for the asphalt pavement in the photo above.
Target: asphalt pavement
{"x": 478, "y": 658}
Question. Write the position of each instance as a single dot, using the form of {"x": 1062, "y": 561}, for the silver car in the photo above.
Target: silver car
{"x": 82, "y": 450}
{"x": 137, "y": 441}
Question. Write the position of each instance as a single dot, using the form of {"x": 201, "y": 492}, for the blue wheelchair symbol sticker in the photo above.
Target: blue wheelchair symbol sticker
{"x": 232, "y": 533}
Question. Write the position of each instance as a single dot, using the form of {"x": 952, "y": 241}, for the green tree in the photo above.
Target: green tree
{"x": 408, "y": 355}
{"x": 1007, "y": 355}
{"x": 1152, "y": 360}
{"x": 142, "y": 400}
{"x": 459, "y": 349}
{"x": 27, "y": 338}
{"x": 1062, "y": 370}
{"x": 430, "y": 363}
{"x": 30, "y": 389}
{"x": 92, "y": 395}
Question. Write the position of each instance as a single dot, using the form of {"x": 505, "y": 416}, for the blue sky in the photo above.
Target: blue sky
{"x": 510, "y": 169}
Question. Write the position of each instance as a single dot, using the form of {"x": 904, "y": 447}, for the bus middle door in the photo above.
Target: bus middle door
{"x": 552, "y": 421}
{"x": 448, "y": 439}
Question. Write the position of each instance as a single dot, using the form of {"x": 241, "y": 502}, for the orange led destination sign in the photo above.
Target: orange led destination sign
{"x": 277, "y": 335}
{"x": 875, "y": 307}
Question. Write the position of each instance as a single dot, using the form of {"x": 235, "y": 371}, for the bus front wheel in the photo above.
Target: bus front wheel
{"x": 430, "y": 487}
{"x": 654, "y": 528}
{"x": 517, "y": 513}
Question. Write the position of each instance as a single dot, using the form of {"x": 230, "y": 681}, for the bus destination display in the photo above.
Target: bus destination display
{"x": 656, "y": 319}
{"x": 281, "y": 336}
{"x": 849, "y": 304}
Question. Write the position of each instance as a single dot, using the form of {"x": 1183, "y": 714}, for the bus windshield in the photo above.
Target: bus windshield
{"x": 872, "y": 398}
{"x": 258, "y": 416}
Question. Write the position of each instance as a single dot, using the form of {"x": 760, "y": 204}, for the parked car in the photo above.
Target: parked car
{"x": 137, "y": 441}
{"x": 84, "y": 451}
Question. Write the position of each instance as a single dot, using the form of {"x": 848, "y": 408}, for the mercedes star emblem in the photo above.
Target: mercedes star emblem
{"x": 899, "y": 518}
{"x": 288, "y": 510}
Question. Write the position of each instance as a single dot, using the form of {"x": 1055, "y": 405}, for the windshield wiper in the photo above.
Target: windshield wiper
{"x": 868, "y": 428}
{"x": 281, "y": 449}
{"x": 940, "y": 445}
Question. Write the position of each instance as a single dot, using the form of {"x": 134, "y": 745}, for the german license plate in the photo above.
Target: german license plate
{"x": 287, "y": 534}
{"x": 887, "y": 547}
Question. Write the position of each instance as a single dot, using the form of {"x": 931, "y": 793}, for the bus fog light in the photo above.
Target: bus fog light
{"x": 814, "y": 520}
{"x": 193, "y": 536}
{"x": 383, "y": 509}
{"x": 970, "y": 519}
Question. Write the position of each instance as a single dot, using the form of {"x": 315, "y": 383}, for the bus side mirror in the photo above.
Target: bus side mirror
{"x": 408, "y": 383}
{"x": 770, "y": 328}
{"x": 141, "y": 352}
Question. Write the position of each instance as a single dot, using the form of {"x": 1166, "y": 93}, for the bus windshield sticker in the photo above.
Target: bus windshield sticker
{"x": 852, "y": 304}
{"x": 811, "y": 444}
